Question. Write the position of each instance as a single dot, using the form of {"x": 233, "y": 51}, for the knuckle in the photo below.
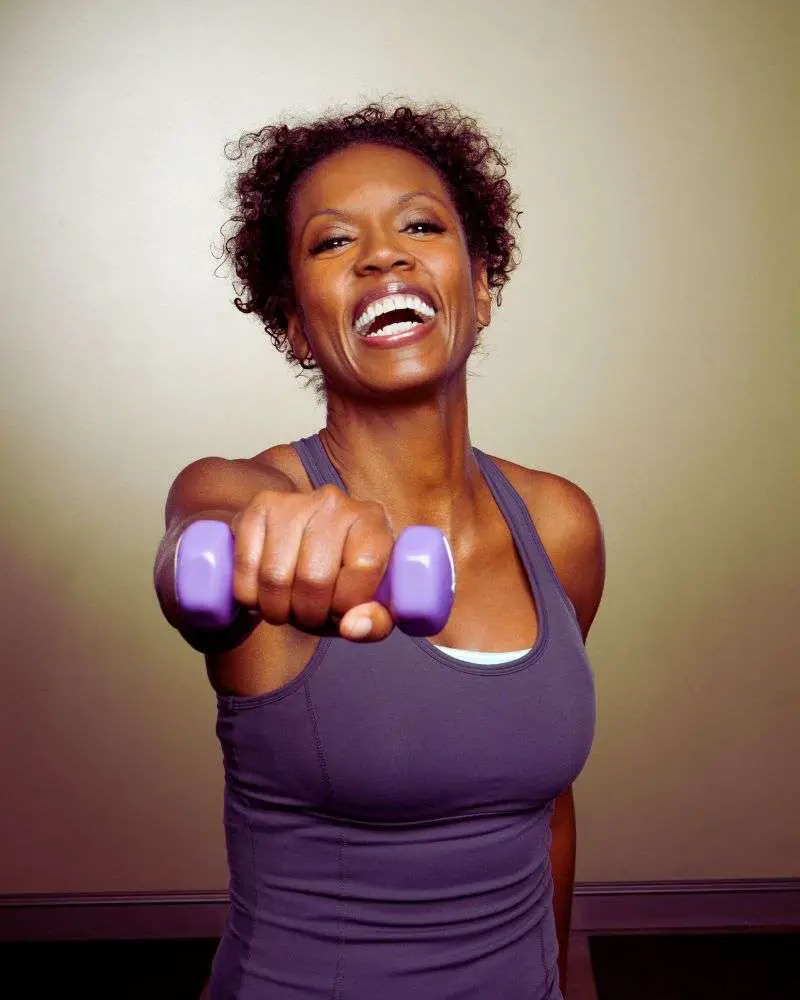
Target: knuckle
{"x": 383, "y": 529}
{"x": 372, "y": 548}
{"x": 311, "y": 583}
{"x": 329, "y": 496}
{"x": 274, "y": 577}
{"x": 245, "y": 561}
{"x": 374, "y": 510}
{"x": 381, "y": 543}
{"x": 369, "y": 557}
{"x": 260, "y": 502}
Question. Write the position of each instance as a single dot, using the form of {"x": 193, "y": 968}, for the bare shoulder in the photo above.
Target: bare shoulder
{"x": 559, "y": 507}
{"x": 222, "y": 484}
{"x": 570, "y": 529}
{"x": 284, "y": 459}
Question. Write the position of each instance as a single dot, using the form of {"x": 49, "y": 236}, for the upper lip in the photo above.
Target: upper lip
{"x": 391, "y": 288}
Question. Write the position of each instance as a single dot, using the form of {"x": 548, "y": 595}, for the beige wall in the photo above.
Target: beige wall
{"x": 647, "y": 348}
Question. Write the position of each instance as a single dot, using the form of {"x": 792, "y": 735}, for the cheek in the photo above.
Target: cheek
{"x": 466, "y": 291}
{"x": 452, "y": 271}
{"x": 323, "y": 312}
{"x": 316, "y": 292}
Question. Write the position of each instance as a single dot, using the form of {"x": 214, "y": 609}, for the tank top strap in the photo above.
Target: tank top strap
{"x": 523, "y": 530}
{"x": 315, "y": 461}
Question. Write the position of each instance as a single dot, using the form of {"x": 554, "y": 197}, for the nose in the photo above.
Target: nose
{"x": 381, "y": 252}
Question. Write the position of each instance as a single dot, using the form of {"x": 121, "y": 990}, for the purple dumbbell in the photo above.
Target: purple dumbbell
{"x": 418, "y": 587}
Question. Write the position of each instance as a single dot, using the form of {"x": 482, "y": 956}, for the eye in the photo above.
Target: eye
{"x": 331, "y": 243}
{"x": 424, "y": 226}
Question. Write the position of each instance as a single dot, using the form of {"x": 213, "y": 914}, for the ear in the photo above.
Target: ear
{"x": 295, "y": 332}
{"x": 480, "y": 290}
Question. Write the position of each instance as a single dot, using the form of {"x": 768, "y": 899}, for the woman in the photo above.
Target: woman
{"x": 398, "y": 811}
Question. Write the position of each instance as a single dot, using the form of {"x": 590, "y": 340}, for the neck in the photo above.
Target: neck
{"x": 413, "y": 457}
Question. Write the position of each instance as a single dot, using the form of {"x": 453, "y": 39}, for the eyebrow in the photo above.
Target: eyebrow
{"x": 402, "y": 200}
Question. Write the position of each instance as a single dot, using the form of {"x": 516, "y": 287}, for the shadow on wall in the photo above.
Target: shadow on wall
{"x": 106, "y": 712}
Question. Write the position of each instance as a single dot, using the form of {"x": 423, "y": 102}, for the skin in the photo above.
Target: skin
{"x": 363, "y": 217}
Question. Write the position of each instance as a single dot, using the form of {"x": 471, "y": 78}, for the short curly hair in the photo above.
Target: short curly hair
{"x": 276, "y": 156}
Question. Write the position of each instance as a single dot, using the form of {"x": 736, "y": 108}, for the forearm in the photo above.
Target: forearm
{"x": 562, "y": 860}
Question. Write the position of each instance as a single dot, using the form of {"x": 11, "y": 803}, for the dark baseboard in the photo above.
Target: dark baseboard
{"x": 117, "y": 916}
{"x": 608, "y": 907}
{"x": 598, "y": 908}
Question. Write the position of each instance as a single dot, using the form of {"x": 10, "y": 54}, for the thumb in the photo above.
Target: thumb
{"x": 368, "y": 622}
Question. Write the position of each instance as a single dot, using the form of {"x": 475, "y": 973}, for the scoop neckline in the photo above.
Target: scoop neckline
{"x": 486, "y": 464}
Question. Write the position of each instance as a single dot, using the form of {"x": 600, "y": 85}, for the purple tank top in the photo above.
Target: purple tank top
{"x": 387, "y": 811}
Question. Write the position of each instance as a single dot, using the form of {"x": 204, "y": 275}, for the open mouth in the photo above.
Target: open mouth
{"x": 393, "y": 314}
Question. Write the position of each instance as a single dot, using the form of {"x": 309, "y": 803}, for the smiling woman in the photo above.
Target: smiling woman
{"x": 470, "y": 177}
{"x": 382, "y": 241}
{"x": 398, "y": 808}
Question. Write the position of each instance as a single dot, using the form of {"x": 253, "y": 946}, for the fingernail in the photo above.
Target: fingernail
{"x": 360, "y": 628}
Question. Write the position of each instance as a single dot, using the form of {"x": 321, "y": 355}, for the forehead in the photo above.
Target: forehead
{"x": 364, "y": 175}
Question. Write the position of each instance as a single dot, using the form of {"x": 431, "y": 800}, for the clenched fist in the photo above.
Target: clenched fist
{"x": 310, "y": 559}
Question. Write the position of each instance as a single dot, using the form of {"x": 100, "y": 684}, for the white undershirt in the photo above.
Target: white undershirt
{"x": 477, "y": 656}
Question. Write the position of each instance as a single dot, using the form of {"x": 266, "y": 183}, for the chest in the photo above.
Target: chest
{"x": 495, "y": 609}
{"x": 391, "y": 733}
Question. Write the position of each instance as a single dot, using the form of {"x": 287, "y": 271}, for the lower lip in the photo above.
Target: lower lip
{"x": 388, "y": 341}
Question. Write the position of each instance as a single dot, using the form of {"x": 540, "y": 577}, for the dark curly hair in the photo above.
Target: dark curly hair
{"x": 277, "y": 155}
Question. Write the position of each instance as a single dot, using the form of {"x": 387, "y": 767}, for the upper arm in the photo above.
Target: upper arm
{"x": 219, "y": 484}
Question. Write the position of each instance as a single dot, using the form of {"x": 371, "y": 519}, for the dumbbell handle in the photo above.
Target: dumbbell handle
{"x": 418, "y": 587}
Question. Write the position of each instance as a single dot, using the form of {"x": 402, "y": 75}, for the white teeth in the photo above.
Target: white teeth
{"x": 390, "y": 302}
{"x": 387, "y": 331}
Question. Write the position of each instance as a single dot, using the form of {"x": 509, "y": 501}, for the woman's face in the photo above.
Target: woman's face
{"x": 386, "y": 297}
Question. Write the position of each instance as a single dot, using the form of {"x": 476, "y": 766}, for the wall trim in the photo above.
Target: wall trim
{"x": 598, "y": 908}
{"x": 608, "y": 907}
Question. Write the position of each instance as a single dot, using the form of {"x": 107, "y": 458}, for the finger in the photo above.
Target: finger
{"x": 365, "y": 556}
{"x": 318, "y": 563}
{"x": 280, "y": 551}
{"x": 354, "y": 624}
{"x": 248, "y": 529}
